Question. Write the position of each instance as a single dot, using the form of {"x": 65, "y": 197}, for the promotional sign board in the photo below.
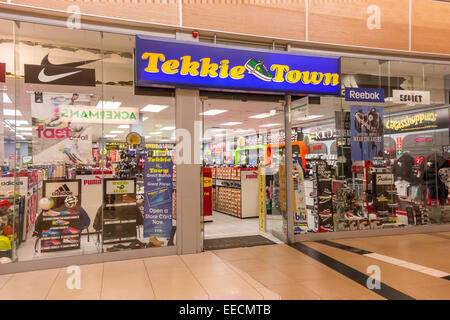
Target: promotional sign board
{"x": 158, "y": 173}
{"x": 7, "y": 185}
{"x": 411, "y": 97}
{"x": 2, "y": 72}
{"x": 418, "y": 121}
{"x": 182, "y": 64}
{"x": 86, "y": 114}
{"x": 92, "y": 191}
{"x": 207, "y": 194}
{"x": 384, "y": 179}
{"x": 364, "y": 95}
{"x": 366, "y": 132}
{"x": 59, "y": 74}
{"x": 117, "y": 187}
{"x": 57, "y": 138}
{"x": 60, "y": 190}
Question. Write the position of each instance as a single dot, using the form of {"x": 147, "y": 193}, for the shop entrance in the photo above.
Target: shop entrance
{"x": 244, "y": 198}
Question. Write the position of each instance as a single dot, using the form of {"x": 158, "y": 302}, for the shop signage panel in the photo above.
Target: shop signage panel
{"x": 12, "y": 184}
{"x": 46, "y": 74}
{"x": 181, "y": 64}
{"x": 426, "y": 120}
{"x": 411, "y": 97}
{"x": 158, "y": 175}
{"x": 2, "y": 72}
{"x": 86, "y": 114}
{"x": 364, "y": 95}
{"x": 120, "y": 187}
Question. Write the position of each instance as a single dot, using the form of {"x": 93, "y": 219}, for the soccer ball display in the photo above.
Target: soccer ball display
{"x": 71, "y": 201}
{"x": 46, "y": 203}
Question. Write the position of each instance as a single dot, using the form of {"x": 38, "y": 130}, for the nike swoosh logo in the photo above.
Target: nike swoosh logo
{"x": 45, "y": 78}
{"x": 46, "y": 62}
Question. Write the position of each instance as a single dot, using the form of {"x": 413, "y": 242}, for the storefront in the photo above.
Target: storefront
{"x": 106, "y": 139}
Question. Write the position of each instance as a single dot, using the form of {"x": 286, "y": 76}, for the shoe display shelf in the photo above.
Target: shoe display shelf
{"x": 235, "y": 191}
{"x": 68, "y": 227}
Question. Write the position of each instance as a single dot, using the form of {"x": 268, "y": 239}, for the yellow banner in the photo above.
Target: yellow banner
{"x": 261, "y": 200}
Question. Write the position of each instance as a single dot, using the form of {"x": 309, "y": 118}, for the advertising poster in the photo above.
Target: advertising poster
{"x": 57, "y": 138}
{"x": 261, "y": 199}
{"x": 366, "y": 132}
{"x": 158, "y": 197}
{"x": 417, "y": 121}
{"x": 300, "y": 212}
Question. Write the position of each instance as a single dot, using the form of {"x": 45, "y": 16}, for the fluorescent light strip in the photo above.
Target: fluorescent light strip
{"x": 16, "y": 122}
{"x": 270, "y": 125}
{"x": 108, "y": 104}
{"x": 24, "y": 128}
{"x": 110, "y": 136}
{"x": 123, "y": 126}
{"x": 213, "y": 112}
{"x": 116, "y": 131}
{"x": 153, "y": 108}
{"x": 261, "y": 116}
{"x": 12, "y": 112}
{"x": 6, "y": 99}
{"x": 167, "y": 128}
{"x": 231, "y": 123}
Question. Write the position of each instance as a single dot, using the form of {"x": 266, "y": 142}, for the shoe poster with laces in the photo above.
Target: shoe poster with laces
{"x": 300, "y": 212}
{"x": 323, "y": 201}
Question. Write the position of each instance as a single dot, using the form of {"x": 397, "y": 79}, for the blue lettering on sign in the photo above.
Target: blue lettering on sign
{"x": 173, "y": 63}
{"x": 364, "y": 94}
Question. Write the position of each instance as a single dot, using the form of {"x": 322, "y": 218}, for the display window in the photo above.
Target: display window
{"x": 80, "y": 148}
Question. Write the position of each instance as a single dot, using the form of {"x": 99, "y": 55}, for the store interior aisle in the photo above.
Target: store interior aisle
{"x": 224, "y": 226}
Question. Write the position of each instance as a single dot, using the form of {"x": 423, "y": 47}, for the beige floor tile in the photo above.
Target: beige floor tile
{"x": 211, "y": 269}
{"x": 164, "y": 262}
{"x": 441, "y": 292}
{"x": 33, "y": 285}
{"x": 270, "y": 276}
{"x": 335, "y": 287}
{"x": 236, "y": 254}
{"x": 268, "y": 294}
{"x": 126, "y": 280}
{"x": 189, "y": 290}
{"x": 90, "y": 286}
{"x": 294, "y": 291}
{"x": 247, "y": 294}
{"x": 4, "y": 279}
{"x": 224, "y": 285}
{"x": 251, "y": 264}
{"x": 246, "y": 277}
{"x": 200, "y": 258}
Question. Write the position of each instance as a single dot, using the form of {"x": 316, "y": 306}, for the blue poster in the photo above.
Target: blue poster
{"x": 158, "y": 197}
{"x": 171, "y": 63}
{"x": 366, "y": 132}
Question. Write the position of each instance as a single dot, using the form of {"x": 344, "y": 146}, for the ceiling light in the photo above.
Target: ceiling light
{"x": 24, "y": 128}
{"x": 16, "y": 122}
{"x": 314, "y": 116}
{"x": 230, "y": 123}
{"x": 26, "y": 133}
{"x": 213, "y": 112}
{"x": 123, "y": 126}
{"x": 6, "y": 99}
{"x": 116, "y": 131}
{"x": 144, "y": 118}
{"x": 166, "y": 140}
{"x": 155, "y": 133}
{"x": 12, "y": 112}
{"x": 108, "y": 104}
{"x": 153, "y": 108}
{"x": 270, "y": 125}
{"x": 216, "y": 130}
{"x": 260, "y": 116}
{"x": 110, "y": 136}
{"x": 168, "y": 128}
{"x": 272, "y": 112}
{"x": 219, "y": 135}
{"x": 242, "y": 130}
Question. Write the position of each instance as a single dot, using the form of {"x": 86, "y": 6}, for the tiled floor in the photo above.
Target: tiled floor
{"x": 264, "y": 272}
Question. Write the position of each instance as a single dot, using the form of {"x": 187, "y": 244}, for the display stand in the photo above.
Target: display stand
{"x": 230, "y": 187}
{"x": 62, "y": 241}
{"x": 119, "y": 211}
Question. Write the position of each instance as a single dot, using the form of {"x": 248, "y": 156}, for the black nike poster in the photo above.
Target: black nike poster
{"x": 59, "y": 75}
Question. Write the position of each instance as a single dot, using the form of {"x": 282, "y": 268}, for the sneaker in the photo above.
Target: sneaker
{"x": 51, "y": 213}
{"x": 52, "y": 243}
{"x": 50, "y": 233}
{"x": 71, "y": 240}
{"x": 60, "y": 223}
{"x": 71, "y": 231}
{"x": 155, "y": 242}
{"x": 69, "y": 212}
